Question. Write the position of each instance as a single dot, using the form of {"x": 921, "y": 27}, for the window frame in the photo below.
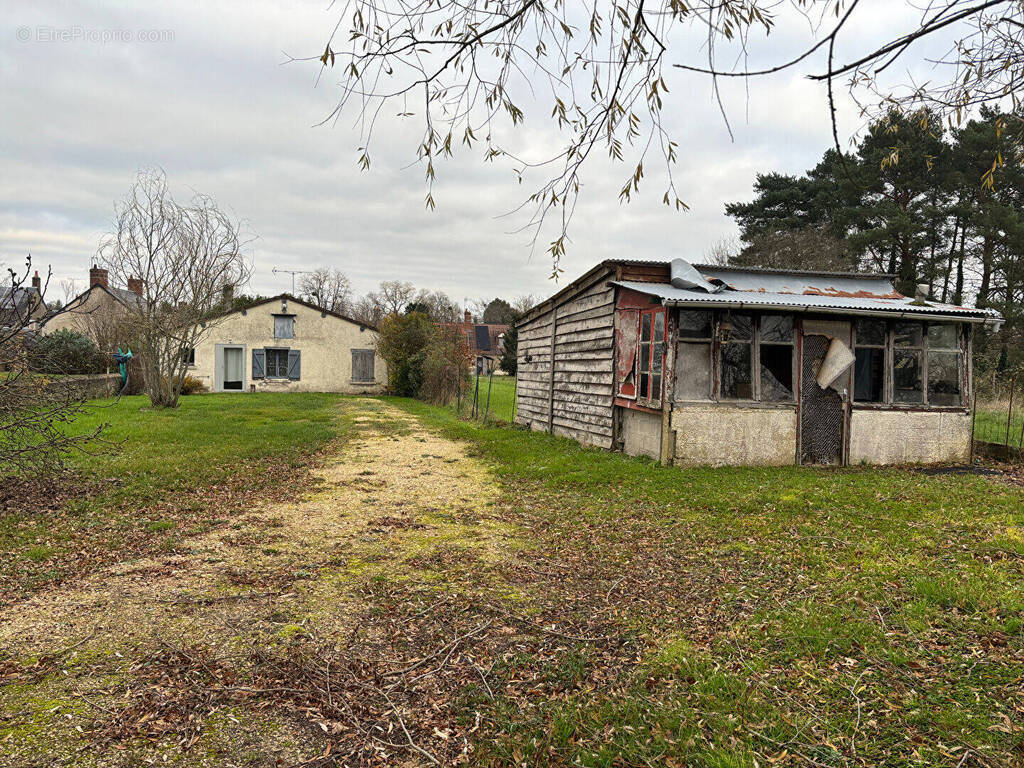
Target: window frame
{"x": 889, "y": 401}
{"x": 755, "y": 343}
{"x": 284, "y": 316}
{"x": 683, "y": 337}
{"x": 652, "y": 344}
{"x": 266, "y": 362}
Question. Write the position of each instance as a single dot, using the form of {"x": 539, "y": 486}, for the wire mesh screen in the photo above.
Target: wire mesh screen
{"x": 490, "y": 397}
{"x": 821, "y": 422}
{"x": 998, "y": 419}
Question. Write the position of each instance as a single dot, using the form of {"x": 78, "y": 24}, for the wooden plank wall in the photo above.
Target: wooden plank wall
{"x": 574, "y": 399}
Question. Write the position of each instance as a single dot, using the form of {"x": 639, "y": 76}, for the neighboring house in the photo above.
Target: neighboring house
{"x": 484, "y": 341}
{"x": 98, "y": 311}
{"x": 22, "y": 307}
{"x": 727, "y": 365}
{"x": 288, "y": 345}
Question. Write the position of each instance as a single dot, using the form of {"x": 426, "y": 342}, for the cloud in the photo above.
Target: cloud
{"x": 210, "y": 101}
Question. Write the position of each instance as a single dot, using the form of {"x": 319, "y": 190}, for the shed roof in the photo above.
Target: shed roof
{"x": 871, "y": 295}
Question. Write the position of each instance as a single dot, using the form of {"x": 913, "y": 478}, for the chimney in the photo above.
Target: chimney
{"x": 37, "y": 282}
{"x": 468, "y": 316}
{"x": 228, "y": 294}
{"x": 135, "y": 285}
{"x": 98, "y": 276}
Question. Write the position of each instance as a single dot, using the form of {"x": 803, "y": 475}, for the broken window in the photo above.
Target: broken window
{"x": 693, "y": 356}
{"x": 908, "y": 354}
{"x": 737, "y": 357}
{"x": 943, "y": 365}
{"x": 869, "y": 366}
{"x": 776, "y": 358}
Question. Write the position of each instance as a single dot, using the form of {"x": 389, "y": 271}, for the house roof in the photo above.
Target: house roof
{"x": 17, "y": 298}
{"x": 482, "y": 337}
{"x": 289, "y": 297}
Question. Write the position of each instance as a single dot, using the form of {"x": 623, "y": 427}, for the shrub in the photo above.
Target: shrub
{"x": 67, "y": 351}
{"x": 192, "y": 386}
{"x": 446, "y": 367}
{"x": 403, "y": 343}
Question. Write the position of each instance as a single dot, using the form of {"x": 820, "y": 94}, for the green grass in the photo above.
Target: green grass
{"x": 502, "y": 398}
{"x": 832, "y": 617}
{"x": 194, "y": 463}
{"x": 990, "y": 424}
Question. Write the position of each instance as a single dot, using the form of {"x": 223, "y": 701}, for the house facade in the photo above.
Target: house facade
{"x": 98, "y": 312}
{"x": 708, "y": 365}
{"x": 284, "y": 344}
{"x": 484, "y": 340}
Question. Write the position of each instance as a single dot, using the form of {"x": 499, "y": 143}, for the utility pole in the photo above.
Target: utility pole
{"x": 293, "y": 273}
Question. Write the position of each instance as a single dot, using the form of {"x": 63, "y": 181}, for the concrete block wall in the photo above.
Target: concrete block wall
{"x": 724, "y": 435}
{"x": 906, "y": 437}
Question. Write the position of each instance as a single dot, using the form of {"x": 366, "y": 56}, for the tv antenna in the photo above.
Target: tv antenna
{"x": 293, "y": 273}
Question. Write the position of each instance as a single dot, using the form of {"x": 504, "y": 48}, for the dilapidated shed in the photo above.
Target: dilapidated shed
{"x": 727, "y": 365}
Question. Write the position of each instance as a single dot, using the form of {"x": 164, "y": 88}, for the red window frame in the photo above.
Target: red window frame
{"x": 650, "y": 359}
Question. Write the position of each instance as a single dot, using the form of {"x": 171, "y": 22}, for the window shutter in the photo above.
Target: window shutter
{"x": 362, "y": 365}
{"x": 294, "y": 364}
{"x": 258, "y": 364}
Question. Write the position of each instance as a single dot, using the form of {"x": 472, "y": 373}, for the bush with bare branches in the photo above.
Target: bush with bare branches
{"x": 185, "y": 256}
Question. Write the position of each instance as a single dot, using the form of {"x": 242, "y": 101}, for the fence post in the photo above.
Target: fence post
{"x": 476, "y": 395}
{"x": 490, "y": 383}
{"x": 974, "y": 421}
{"x": 1009, "y": 414}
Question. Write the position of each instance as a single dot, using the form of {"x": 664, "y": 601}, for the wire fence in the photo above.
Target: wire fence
{"x": 490, "y": 397}
{"x": 997, "y": 424}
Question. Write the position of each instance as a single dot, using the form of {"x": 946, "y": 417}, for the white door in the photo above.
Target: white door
{"x": 232, "y": 368}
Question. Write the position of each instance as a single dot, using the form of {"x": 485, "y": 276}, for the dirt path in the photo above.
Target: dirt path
{"x": 391, "y": 499}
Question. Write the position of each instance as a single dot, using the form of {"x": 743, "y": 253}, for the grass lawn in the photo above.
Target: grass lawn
{"x": 519, "y": 600}
{"x": 990, "y": 423}
{"x": 172, "y": 473}
{"x": 502, "y": 403}
{"x": 786, "y": 616}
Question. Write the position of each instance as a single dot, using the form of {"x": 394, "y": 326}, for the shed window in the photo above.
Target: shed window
{"x": 756, "y": 357}
{"x": 693, "y": 356}
{"x": 943, "y": 365}
{"x": 775, "y": 354}
{"x": 908, "y": 360}
{"x": 284, "y": 326}
{"x": 652, "y": 355}
{"x": 869, "y": 365}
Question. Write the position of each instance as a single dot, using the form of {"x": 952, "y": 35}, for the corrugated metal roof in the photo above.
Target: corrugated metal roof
{"x": 825, "y": 298}
{"x": 806, "y": 283}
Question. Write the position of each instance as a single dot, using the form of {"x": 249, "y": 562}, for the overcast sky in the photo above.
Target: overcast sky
{"x": 201, "y": 89}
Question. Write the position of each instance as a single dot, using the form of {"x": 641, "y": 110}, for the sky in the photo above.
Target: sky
{"x": 205, "y": 91}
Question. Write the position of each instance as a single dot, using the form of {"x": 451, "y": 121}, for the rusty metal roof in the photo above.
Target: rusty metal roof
{"x": 855, "y": 295}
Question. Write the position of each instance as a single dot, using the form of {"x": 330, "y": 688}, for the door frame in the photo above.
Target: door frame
{"x": 218, "y": 367}
{"x": 844, "y": 437}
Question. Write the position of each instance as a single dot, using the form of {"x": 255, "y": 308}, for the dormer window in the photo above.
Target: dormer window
{"x": 284, "y": 326}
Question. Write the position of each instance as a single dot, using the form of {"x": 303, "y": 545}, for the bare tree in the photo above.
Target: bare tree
{"x": 524, "y": 303}
{"x": 393, "y": 297}
{"x": 366, "y": 310}
{"x": 34, "y": 414}
{"x": 185, "y": 257}
{"x": 437, "y": 305}
{"x": 328, "y": 288}
{"x": 466, "y": 71}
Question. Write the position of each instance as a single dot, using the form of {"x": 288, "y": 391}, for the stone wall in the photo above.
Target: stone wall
{"x": 720, "y": 435}
{"x": 905, "y": 437}
{"x": 88, "y": 387}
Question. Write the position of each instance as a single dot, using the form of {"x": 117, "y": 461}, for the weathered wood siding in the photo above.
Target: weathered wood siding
{"x": 574, "y": 398}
